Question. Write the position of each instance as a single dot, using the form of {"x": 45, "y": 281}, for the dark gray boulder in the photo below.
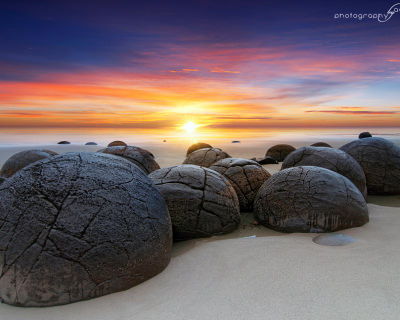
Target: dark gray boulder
{"x": 380, "y": 160}
{"x": 90, "y": 144}
{"x": 309, "y": 199}
{"x": 201, "y": 202}
{"x": 22, "y": 159}
{"x": 363, "y": 135}
{"x": 267, "y": 160}
{"x": 321, "y": 144}
{"x": 205, "y": 157}
{"x": 77, "y": 226}
{"x": 2, "y": 180}
{"x": 142, "y": 158}
{"x": 280, "y": 151}
{"x": 246, "y": 177}
{"x": 117, "y": 143}
{"x": 197, "y": 146}
{"x": 329, "y": 158}
{"x": 64, "y": 142}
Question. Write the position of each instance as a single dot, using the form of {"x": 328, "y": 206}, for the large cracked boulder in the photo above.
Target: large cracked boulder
{"x": 117, "y": 143}
{"x": 280, "y": 151}
{"x": 77, "y": 226}
{"x": 329, "y": 158}
{"x": 201, "y": 202}
{"x": 380, "y": 160}
{"x": 22, "y": 159}
{"x": 309, "y": 199}
{"x": 142, "y": 158}
{"x": 197, "y": 146}
{"x": 246, "y": 177}
{"x": 205, "y": 157}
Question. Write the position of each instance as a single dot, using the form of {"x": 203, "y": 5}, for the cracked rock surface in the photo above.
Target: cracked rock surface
{"x": 309, "y": 199}
{"x": 22, "y": 159}
{"x": 77, "y": 226}
{"x": 201, "y": 202}
{"x": 380, "y": 160}
{"x": 329, "y": 158}
{"x": 197, "y": 146}
{"x": 142, "y": 158}
{"x": 280, "y": 151}
{"x": 246, "y": 177}
{"x": 205, "y": 157}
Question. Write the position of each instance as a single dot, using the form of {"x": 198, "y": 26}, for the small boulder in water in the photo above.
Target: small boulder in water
{"x": 64, "y": 142}
{"x": 363, "y": 135}
{"x": 91, "y": 144}
{"x": 321, "y": 144}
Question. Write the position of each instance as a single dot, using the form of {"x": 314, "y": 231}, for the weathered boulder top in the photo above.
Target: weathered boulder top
{"x": 117, "y": 143}
{"x": 206, "y": 157}
{"x": 329, "y": 158}
{"x": 321, "y": 144}
{"x": 309, "y": 199}
{"x": 22, "y": 159}
{"x": 144, "y": 159}
{"x": 280, "y": 151}
{"x": 77, "y": 226}
{"x": 201, "y": 201}
{"x": 380, "y": 160}
{"x": 364, "y": 134}
{"x": 197, "y": 146}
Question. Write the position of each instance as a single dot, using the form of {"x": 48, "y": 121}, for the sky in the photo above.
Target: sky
{"x": 225, "y": 65}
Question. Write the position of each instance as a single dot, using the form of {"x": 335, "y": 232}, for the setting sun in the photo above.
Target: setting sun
{"x": 189, "y": 126}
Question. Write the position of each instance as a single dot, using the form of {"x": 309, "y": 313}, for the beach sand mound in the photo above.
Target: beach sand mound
{"x": 201, "y": 202}
{"x": 77, "y": 226}
{"x": 246, "y": 177}
{"x": 309, "y": 199}
{"x": 205, "y": 157}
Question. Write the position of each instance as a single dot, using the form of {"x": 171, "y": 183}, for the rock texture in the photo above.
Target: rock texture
{"x": 77, "y": 226}
{"x": 64, "y": 142}
{"x": 380, "y": 160}
{"x": 321, "y": 144}
{"x": 280, "y": 151}
{"x": 117, "y": 143}
{"x": 246, "y": 177}
{"x": 21, "y": 159}
{"x": 142, "y": 158}
{"x": 205, "y": 157}
{"x": 201, "y": 202}
{"x": 91, "y": 144}
{"x": 329, "y": 158}
{"x": 267, "y": 160}
{"x": 363, "y": 135}
{"x": 197, "y": 146}
{"x": 309, "y": 199}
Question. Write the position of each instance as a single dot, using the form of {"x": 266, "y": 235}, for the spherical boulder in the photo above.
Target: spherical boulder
{"x": 267, "y": 160}
{"x": 246, "y": 177}
{"x": 329, "y": 158}
{"x": 142, "y": 158}
{"x": 197, "y": 146}
{"x": 117, "y": 143}
{"x": 321, "y": 144}
{"x": 280, "y": 151}
{"x": 201, "y": 202}
{"x": 205, "y": 157}
{"x": 363, "y": 135}
{"x": 77, "y": 226}
{"x": 21, "y": 159}
{"x": 380, "y": 160}
{"x": 309, "y": 199}
{"x": 91, "y": 143}
{"x": 64, "y": 142}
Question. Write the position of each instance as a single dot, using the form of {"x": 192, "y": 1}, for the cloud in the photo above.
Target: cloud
{"x": 355, "y": 112}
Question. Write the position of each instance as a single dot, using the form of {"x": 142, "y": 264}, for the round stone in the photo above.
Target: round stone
{"x": 117, "y": 143}
{"x": 363, "y": 135}
{"x": 380, "y": 160}
{"x": 309, "y": 199}
{"x": 142, "y": 158}
{"x": 321, "y": 144}
{"x": 64, "y": 142}
{"x": 91, "y": 144}
{"x": 22, "y": 159}
{"x": 205, "y": 157}
{"x": 246, "y": 177}
{"x": 197, "y": 146}
{"x": 333, "y": 239}
{"x": 77, "y": 226}
{"x": 201, "y": 202}
{"x": 329, "y": 158}
{"x": 280, "y": 151}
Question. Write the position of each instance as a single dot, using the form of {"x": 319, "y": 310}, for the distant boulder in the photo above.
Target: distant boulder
{"x": 90, "y": 144}
{"x": 22, "y": 159}
{"x": 363, "y": 135}
{"x": 235, "y": 141}
{"x": 280, "y": 151}
{"x": 205, "y": 157}
{"x": 321, "y": 144}
{"x": 117, "y": 143}
{"x": 197, "y": 146}
{"x": 64, "y": 142}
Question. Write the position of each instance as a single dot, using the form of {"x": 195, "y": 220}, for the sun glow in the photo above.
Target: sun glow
{"x": 189, "y": 126}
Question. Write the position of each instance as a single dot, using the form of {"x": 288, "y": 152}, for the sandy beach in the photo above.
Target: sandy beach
{"x": 256, "y": 273}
